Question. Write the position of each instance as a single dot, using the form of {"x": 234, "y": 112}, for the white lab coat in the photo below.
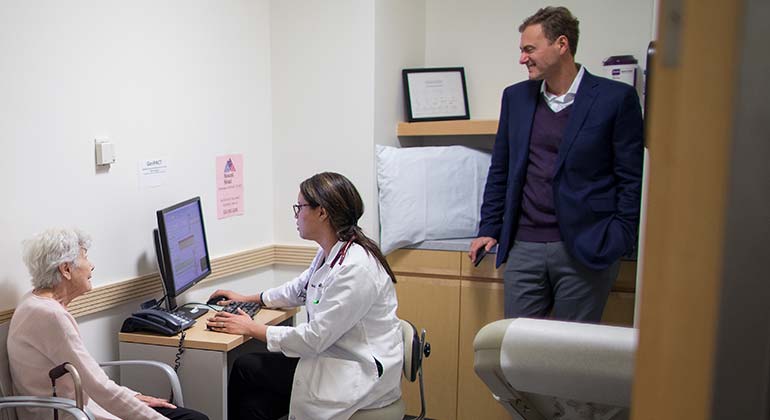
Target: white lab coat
{"x": 352, "y": 322}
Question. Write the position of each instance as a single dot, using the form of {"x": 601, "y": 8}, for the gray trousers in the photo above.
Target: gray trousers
{"x": 543, "y": 278}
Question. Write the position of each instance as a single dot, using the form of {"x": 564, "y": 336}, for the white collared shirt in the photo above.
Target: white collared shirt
{"x": 557, "y": 103}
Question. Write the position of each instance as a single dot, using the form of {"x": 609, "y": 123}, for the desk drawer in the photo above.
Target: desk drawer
{"x": 416, "y": 261}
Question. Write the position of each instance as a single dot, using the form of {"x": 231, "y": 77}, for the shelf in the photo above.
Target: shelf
{"x": 448, "y": 128}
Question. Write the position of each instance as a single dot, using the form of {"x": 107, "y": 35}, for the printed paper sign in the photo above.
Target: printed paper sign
{"x": 229, "y": 186}
{"x": 152, "y": 172}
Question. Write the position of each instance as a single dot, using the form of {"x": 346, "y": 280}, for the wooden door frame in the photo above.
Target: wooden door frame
{"x": 703, "y": 345}
{"x": 742, "y": 365}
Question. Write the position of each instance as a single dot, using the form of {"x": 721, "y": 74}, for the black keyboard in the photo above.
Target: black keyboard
{"x": 250, "y": 308}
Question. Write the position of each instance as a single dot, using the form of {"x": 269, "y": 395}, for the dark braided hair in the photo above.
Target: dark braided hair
{"x": 339, "y": 197}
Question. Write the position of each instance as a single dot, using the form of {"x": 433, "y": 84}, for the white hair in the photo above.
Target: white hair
{"x": 46, "y": 251}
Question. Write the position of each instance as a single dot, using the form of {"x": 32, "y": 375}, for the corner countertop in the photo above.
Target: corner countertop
{"x": 458, "y": 244}
{"x": 462, "y": 244}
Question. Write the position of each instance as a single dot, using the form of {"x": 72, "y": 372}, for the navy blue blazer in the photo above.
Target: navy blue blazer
{"x": 598, "y": 175}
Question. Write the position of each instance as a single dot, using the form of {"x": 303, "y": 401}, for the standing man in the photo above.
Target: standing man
{"x": 563, "y": 191}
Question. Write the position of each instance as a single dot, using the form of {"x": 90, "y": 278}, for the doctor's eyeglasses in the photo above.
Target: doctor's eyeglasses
{"x": 298, "y": 207}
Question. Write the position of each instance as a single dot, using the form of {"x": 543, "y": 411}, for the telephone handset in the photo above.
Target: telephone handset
{"x": 156, "y": 320}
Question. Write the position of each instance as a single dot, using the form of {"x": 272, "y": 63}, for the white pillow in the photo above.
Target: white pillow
{"x": 428, "y": 193}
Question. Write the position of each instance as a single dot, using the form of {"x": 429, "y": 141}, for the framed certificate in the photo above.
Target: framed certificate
{"x": 435, "y": 94}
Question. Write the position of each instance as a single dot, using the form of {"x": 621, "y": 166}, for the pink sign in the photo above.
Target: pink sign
{"x": 229, "y": 186}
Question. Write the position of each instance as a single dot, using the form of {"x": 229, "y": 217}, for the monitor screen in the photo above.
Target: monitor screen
{"x": 183, "y": 258}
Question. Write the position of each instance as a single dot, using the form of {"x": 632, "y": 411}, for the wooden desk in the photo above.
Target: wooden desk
{"x": 205, "y": 363}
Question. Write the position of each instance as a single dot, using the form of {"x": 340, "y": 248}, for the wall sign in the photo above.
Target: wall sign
{"x": 229, "y": 186}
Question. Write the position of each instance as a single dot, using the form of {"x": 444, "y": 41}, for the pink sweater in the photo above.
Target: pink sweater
{"x": 43, "y": 335}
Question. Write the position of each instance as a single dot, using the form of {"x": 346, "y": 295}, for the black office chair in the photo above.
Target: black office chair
{"x": 415, "y": 349}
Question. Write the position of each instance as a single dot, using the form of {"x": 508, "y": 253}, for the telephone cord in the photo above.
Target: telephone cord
{"x": 178, "y": 359}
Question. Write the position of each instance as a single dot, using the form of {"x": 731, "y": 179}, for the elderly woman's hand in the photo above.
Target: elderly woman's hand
{"x": 154, "y": 402}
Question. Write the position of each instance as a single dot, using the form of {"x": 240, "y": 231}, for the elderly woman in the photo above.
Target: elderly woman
{"x": 43, "y": 335}
{"x": 348, "y": 355}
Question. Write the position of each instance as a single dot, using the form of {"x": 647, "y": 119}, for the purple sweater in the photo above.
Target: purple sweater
{"x": 537, "y": 222}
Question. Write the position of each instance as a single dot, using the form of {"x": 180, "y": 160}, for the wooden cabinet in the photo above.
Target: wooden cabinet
{"x": 428, "y": 288}
{"x": 481, "y": 303}
{"x": 442, "y": 292}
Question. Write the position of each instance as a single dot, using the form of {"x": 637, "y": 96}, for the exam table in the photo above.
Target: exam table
{"x": 544, "y": 369}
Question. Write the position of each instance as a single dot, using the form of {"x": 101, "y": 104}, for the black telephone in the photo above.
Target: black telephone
{"x": 156, "y": 320}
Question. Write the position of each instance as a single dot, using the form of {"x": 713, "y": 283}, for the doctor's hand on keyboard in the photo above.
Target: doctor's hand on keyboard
{"x": 250, "y": 308}
{"x": 223, "y": 297}
{"x": 235, "y": 318}
{"x": 234, "y": 314}
{"x": 231, "y": 306}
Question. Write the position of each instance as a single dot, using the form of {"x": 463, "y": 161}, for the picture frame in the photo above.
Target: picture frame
{"x": 435, "y": 94}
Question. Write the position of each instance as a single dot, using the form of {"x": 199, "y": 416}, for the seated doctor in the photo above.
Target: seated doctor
{"x": 348, "y": 355}
{"x": 43, "y": 334}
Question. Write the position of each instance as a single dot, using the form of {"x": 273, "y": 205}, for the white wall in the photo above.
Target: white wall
{"x": 483, "y": 37}
{"x": 182, "y": 80}
{"x": 323, "y": 100}
{"x": 399, "y": 43}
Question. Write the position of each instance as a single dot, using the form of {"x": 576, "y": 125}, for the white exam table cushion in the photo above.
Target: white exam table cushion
{"x": 570, "y": 360}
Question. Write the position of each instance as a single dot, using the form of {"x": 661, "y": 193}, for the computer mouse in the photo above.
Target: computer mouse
{"x": 215, "y": 300}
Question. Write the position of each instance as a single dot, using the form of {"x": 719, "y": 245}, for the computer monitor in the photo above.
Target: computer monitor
{"x": 181, "y": 248}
